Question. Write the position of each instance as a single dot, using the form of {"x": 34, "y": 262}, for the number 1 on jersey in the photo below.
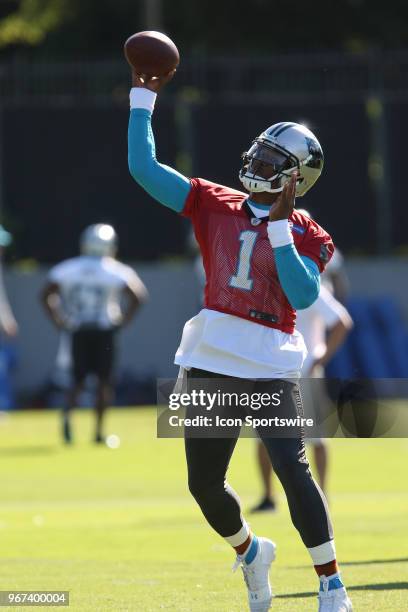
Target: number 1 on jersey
{"x": 242, "y": 280}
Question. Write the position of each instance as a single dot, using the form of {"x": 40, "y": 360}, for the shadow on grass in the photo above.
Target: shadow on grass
{"x": 21, "y": 451}
{"x": 386, "y": 586}
{"x": 368, "y": 562}
{"x": 375, "y": 561}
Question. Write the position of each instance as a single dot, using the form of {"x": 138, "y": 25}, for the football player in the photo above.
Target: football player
{"x": 326, "y": 316}
{"x": 335, "y": 277}
{"x": 8, "y": 324}
{"x": 8, "y": 331}
{"x": 91, "y": 296}
{"x": 262, "y": 261}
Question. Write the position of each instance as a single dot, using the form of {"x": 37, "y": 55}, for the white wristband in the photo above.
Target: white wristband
{"x": 279, "y": 233}
{"x": 140, "y": 97}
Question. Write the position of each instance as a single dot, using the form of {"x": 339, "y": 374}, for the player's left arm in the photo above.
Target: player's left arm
{"x": 299, "y": 275}
{"x": 134, "y": 295}
{"x": 132, "y": 304}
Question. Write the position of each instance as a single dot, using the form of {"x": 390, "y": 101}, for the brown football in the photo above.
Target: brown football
{"x": 151, "y": 53}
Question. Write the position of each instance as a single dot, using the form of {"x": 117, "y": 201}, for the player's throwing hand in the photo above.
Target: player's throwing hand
{"x": 154, "y": 83}
{"x": 285, "y": 203}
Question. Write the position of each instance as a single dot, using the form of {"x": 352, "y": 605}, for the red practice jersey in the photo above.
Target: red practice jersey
{"x": 241, "y": 275}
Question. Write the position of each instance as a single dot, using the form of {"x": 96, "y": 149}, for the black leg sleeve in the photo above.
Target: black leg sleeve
{"x": 307, "y": 504}
{"x": 207, "y": 462}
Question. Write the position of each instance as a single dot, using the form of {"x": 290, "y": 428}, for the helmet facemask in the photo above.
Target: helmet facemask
{"x": 262, "y": 155}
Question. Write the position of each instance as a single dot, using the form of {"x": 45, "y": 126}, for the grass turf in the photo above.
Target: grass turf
{"x": 118, "y": 529}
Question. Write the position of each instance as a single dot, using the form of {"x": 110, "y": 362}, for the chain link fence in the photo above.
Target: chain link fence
{"x": 345, "y": 76}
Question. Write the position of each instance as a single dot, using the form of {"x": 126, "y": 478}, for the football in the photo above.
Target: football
{"x": 151, "y": 53}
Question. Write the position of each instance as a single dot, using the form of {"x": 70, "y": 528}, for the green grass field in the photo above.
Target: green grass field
{"x": 118, "y": 529}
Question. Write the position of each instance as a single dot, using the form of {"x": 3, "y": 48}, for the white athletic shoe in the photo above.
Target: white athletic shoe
{"x": 256, "y": 576}
{"x": 335, "y": 600}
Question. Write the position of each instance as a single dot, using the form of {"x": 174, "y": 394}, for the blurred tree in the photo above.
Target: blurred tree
{"x": 97, "y": 28}
{"x": 31, "y": 21}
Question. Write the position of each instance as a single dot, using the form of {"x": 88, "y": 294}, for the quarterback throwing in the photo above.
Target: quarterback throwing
{"x": 262, "y": 261}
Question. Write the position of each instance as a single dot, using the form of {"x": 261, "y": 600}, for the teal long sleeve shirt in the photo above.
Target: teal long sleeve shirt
{"x": 299, "y": 275}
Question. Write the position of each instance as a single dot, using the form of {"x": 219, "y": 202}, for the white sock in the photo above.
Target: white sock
{"x": 324, "y": 553}
{"x": 239, "y": 538}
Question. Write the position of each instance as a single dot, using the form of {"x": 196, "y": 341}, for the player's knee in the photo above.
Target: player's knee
{"x": 204, "y": 491}
{"x": 197, "y": 487}
{"x": 290, "y": 466}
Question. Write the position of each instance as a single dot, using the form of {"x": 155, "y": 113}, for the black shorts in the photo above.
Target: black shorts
{"x": 92, "y": 353}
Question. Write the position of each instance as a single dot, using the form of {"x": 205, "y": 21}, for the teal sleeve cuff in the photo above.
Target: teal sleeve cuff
{"x": 164, "y": 184}
{"x": 299, "y": 276}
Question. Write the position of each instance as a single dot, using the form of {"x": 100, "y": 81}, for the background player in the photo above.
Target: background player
{"x": 8, "y": 331}
{"x": 92, "y": 296}
{"x": 335, "y": 277}
{"x": 256, "y": 278}
{"x": 8, "y": 323}
{"x": 325, "y": 316}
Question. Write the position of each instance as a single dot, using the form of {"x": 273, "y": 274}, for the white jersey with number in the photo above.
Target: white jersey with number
{"x": 91, "y": 289}
{"x": 334, "y": 266}
{"x": 313, "y": 323}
